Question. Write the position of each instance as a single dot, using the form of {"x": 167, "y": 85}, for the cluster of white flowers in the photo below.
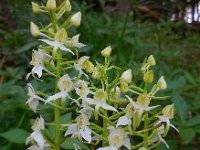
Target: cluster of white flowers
{"x": 107, "y": 115}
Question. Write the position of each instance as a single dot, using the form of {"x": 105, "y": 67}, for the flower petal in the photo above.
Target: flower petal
{"x": 108, "y": 148}
{"x": 126, "y": 142}
{"x": 89, "y": 100}
{"x": 71, "y": 129}
{"x": 86, "y": 134}
{"x": 123, "y": 120}
{"x": 37, "y": 70}
{"x": 54, "y": 97}
{"x": 37, "y": 136}
{"x": 57, "y": 44}
{"x": 108, "y": 107}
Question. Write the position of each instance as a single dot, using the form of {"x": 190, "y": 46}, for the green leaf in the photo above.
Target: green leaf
{"x": 187, "y": 134}
{"x": 68, "y": 144}
{"x": 190, "y": 78}
{"x": 66, "y": 118}
{"x": 180, "y": 106}
{"x": 194, "y": 121}
{"x": 15, "y": 135}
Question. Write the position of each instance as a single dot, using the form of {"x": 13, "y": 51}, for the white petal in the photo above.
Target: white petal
{"x": 86, "y": 134}
{"x": 37, "y": 70}
{"x": 54, "y": 97}
{"x": 89, "y": 100}
{"x": 33, "y": 104}
{"x": 171, "y": 125}
{"x": 123, "y": 121}
{"x": 71, "y": 129}
{"x": 37, "y": 136}
{"x": 127, "y": 142}
{"x": 34, "y": 147}
{"x": 163, "y": 141}
{"x": 150, "y": 108}
{"x": 108, "y": 148}
{"x": 76, "y": 44}
{"x": 57, "y": 44}
{"x": 108, "y": 107}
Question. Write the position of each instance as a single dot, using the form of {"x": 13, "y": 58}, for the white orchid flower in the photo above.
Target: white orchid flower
{"x": 126, "y": 119}
{"x": 33, "y": 100}
{"x": 80, "y": 129}
{"x": 65, "y": 85}
{"x": 38, "y": 57}
{"x": 139, "y": 110}
{"x": 117, "y": 138}
{"x": 158, "y": 137}
{"x": 57, "y": 45}
{"x": 37, "y": 135}
{"x": 82, "y": 89}
{"x": 99, "y": 100}
{"x": 168, "y": 113}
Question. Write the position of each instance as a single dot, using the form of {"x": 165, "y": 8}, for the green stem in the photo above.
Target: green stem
{"x": 146, "y": 126}
{"x": 105, "y": 133}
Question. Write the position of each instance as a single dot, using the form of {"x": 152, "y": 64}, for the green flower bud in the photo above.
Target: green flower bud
{"x": 124, "y": 86}
{"x": 162, "y": 83}
{"x": 168, "y": 111}
{"x": 89, "y": 67}
{"x": 61, "y": 35}
{"x": 106, "y": 51}
{"x": 51, "y": 4}
{"x": 148, "y": 77}
{"x": 82, "y": 62}
{"x": 34, "y": 29}
{"x": 76, "y": 19}
{"x": 68, "y": 6}
{"x": 151, "y": 61}
{"x": 35, "y": 7}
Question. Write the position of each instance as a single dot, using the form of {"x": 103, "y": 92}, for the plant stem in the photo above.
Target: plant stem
{"x": 146, "y": 126}
{"x": 105, "y": 133}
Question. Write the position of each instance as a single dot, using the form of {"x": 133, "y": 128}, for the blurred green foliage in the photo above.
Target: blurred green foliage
{"x": 175, "y": 49}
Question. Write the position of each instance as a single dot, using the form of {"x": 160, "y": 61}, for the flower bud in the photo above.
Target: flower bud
{"x": 35, "y": 7}
{"x": 68, "y": 6}
{"x": 61, "y": 35}
{"x": 76, "y": 19}
{"x": 89, "y": 67}
{"x": 117, "y": 93}
{"x": 126, "y": 76}
{"x": 82, "y": 62}
{"x": 151, "y": 61}
{"x": 124, "y": 86}
{"x": 148, "y": 77}
{"x": 51, "y": 4}
{"x": 106, "y": 51}
{"x": 162, "y": 83}
{"x": 34, "y": 29}
{"x": 168, "y": 111}
{"x": 96, "y": 74}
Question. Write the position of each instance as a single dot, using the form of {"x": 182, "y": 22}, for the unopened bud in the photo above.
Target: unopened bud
{"x": 126, "y": 76}
{"x": 148, "y": 77}
{"x": 106, "y": 51}
{"x": 89, "y": 67}
{"x": 76, "y": 19}
{"x": 34, "y": 29}
{"x": 162, "y": 83}
{"x": 151, "y": 61}
{"x": 168, "y": 111}
{"x": 143, "y": 100}
{"x": 68, "y": 6}
{"x": 82, "y": 61}
{"x": 61, "y": 35}
{"x": 124, "y": 86}
{"x": 35, "y": 7}
{"x": 51, "y": 4}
